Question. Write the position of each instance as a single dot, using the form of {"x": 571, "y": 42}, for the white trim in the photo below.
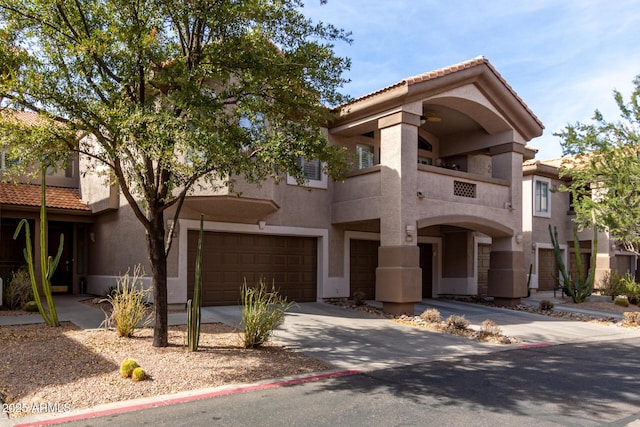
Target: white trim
{"x": 179, "y": 284}
{"x": 535, "y": 212}
{"x": 321, "y": 183}
{"x": 536, "y": 261}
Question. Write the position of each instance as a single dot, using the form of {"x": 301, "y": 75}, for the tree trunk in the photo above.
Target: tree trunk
{"x": 155, "y": 242}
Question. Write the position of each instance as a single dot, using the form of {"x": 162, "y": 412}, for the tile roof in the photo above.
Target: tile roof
{"x": 30, "y": 195}
{"x": 26, "y": 117}
{"x": 442, "y": 72}
{"x": 554, "y": 163}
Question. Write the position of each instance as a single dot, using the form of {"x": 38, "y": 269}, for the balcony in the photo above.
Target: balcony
{"x": 358, "y": 197}
{"x": 436, "y": 183}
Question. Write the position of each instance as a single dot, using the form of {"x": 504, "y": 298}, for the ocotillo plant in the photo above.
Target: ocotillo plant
{"x": 580, "y": 289}
{"x": 48, "y": 264}
{"x": 194, "y": 305}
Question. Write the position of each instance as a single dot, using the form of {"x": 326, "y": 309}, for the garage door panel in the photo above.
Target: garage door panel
{"x": 362, "y": 266}
{"x": 290, "y": 262}
{"x": 547, "y": 270}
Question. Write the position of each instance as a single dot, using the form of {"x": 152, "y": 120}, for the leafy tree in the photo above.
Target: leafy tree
{"x": 171, "y": 93}
{"x": 604, "y": 167}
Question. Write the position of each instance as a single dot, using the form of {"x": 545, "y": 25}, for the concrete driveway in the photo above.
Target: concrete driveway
{"x": 353, "y": 340}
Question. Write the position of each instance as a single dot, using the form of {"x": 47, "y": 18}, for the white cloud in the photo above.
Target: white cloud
{"x": 563, "y": 58}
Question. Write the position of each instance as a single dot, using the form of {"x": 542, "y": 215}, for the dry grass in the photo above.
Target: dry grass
{"x": 79, "y": 368}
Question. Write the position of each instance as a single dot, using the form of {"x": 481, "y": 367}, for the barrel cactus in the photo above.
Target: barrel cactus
{"x": 138, "y": 374}
{"x": 127, "y": 367}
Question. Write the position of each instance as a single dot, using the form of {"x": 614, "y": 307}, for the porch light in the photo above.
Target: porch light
{"x": 409, "y": 230}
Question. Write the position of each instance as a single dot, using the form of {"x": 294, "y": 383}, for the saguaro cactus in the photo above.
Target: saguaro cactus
{"x": 194, "y": 305}
{"x": 48, "y": 264}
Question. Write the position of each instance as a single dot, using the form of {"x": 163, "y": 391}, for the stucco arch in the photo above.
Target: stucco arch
{"x": 486, "y": 226}
{"x": 471, "y": 102}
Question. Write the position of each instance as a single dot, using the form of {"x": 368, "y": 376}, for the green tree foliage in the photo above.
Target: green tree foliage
{"x": 171, "y": 93}
{"x": 604, "y": 168}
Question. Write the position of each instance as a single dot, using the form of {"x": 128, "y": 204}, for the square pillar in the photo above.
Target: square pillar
{"x": 507, "y": 277}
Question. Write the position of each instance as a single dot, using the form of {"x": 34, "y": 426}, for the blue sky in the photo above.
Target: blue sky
{"x": 564, "y": 58}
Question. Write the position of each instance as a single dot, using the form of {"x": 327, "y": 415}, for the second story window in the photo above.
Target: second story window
{"x": 312, "y": 173}
{"x": 6, "y": 161}
{"x": 310, "y": 168}
{"x": 425, "y": 151}
{"x": 542, "y": 200}
{"x": 364, "y": 156}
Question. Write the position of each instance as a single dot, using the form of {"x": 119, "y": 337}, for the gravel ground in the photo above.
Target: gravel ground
{"x": 79, "y": 369}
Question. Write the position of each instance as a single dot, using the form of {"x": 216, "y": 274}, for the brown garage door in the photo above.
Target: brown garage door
{"x": 547, "y": 270}
{"x": 484, "y": 258}
{"x": 229, "y": 258}
{"x": 362, "y": 266}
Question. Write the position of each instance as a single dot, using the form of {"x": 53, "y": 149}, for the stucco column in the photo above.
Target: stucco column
{"x": 507, "y": 274}
{"x": 398, "y": 276}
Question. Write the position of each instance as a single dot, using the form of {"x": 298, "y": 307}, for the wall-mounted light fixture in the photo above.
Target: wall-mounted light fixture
{"x": 409, "y": 230}
{"x": 262, "y": 224}
{"x": 92, "y": 237}
{"x": 420, "y": 195}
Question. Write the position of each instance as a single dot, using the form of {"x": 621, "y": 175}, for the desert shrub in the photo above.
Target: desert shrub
{"x": 18, "y": 290}
{"x": 610, "y": 284}
{"x": 621, "y": 301}
{"x": 630, "y": 288}
{"x": 31, "y": 306}
{"x": 128, "y": 304}
{"x": 632, "y": 318}
{"x": 127, "y": 367}
{"x": 359, "y": 298}
{"x": 262, "y": 312}
{"x": 546, "y": 305}
{"x": 456, "y": 322}
{"x": 488, "y": 328}
{"x": 431, "y": 315}
{"x": 138, "y": 374}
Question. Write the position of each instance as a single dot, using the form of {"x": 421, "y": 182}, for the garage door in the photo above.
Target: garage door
{"x": 229, "y": 258}
{"x": 547, "y": 270}
{"x": 362, "y": 267}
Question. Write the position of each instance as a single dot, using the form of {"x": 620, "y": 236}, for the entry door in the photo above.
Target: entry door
{"x": 62, "y": 279}
{"x": 426, "y": 264}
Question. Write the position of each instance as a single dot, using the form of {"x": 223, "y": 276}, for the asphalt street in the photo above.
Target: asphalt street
{"x": 577, "y": 384}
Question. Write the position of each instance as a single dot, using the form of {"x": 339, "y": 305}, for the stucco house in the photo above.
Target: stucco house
{"x": 543, "y": 205}
{"x": 433, "y": 206}
{"x": 66, "y": 214}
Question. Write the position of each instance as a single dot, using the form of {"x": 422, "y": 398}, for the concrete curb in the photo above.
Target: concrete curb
{"x": 164, "y": 400}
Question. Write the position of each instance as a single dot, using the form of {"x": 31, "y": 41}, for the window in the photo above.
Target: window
{"x": 425, "y": 150}
{"x": 310, "y": 168}
{"x": 67, "y": 172}
{"x": 6, "y": 161}
{"x": 312, "y": 172}
{"x": 542, "y": 202}
{"x": 364, "y": 156}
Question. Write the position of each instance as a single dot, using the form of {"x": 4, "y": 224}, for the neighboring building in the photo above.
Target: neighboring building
{"x": 66, "y": 214}
{"x": 543, "y": 205}
{"x": 433, "y": 206}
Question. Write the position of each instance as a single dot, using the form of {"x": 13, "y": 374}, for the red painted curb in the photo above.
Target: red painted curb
{"x": 182, "y": 399}
{"x": 525, "y": 346}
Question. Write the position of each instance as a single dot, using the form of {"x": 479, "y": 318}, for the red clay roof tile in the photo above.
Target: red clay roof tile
{"x": 480, "y": 60}
{"x": 30, "y": 195}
